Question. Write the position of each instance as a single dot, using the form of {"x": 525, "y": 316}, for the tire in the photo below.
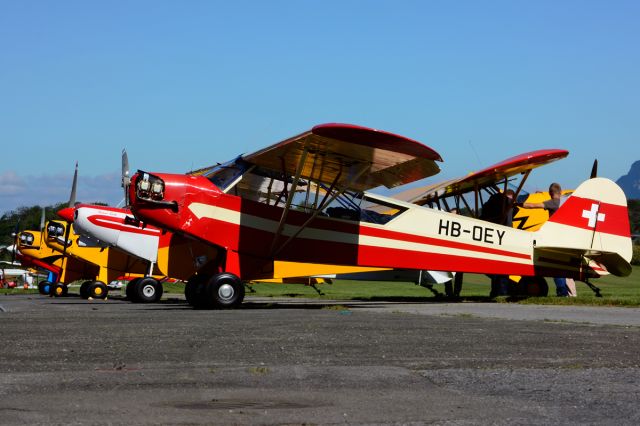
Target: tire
{"x": 97, "y": 290}
{"x": 148, "y": 290}
{"x": 44, "y": 287}
{"x": 225, "y": 291}
{"x": 130, "y": 289}
{"x": 195, "y": 291}
{"x": 84, "y": 289}
{"x": 534, "y": 286}
{"x": 59, "y": 290}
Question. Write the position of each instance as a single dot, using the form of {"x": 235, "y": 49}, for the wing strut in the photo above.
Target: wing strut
{"x": 325, "y": 202}
{"x": 290, "y": 195}
{"x": 522, "y": 181}
{"x": 464, "y": 201}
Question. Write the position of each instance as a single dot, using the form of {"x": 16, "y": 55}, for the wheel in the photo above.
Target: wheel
{"x": 195, "y": 291}
{"x": 97, "y": 290}
{"x": 147, "y": 290}
{"x": 225, "y": 291}
{"x": 534, "y": 286}
{"x": 59, "y": 290}
{"x": 84, "y": 289}
{"x": 130, "y": 290}
{"x": 44, "y": 287}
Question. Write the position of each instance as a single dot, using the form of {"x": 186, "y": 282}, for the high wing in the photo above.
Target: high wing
{"x": 349, "y": 156}
{"x": 519, "y": 164}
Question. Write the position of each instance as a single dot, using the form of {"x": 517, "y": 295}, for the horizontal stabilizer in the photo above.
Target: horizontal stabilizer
{"x": 612, "y": 263}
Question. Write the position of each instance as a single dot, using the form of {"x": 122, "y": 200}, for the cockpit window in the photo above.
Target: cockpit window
{"x": 363, "y": 208}
{"x": 225, "y": 175}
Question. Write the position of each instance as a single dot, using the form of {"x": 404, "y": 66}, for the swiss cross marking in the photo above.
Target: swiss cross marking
{"x": 593, "y": 216}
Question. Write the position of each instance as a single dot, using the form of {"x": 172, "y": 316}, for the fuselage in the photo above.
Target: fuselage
{"x": 254, "y": 233}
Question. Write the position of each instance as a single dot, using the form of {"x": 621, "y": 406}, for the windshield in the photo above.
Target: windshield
{"x": 225, "y": 175}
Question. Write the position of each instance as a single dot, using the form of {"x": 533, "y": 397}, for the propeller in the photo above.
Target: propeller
{"x": 14, "y": 234}
{"x": 42, "y": 219}
{"x": 72, "y": 197}
{"x": 125, "y": 176}
{"x": 594, "y": 169}
{"x": 72, "y": 203}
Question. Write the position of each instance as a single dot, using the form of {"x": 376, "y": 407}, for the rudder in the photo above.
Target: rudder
{"x": 593, "y": 221}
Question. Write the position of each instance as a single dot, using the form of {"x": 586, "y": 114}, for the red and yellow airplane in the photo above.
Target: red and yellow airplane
{"x": 304, "y": 200}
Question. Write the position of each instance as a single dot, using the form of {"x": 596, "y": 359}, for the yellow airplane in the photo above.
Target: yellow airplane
{"x": 32, "y": 252}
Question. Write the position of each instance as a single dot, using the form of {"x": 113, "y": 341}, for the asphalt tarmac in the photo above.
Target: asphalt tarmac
{"x": 292, "y": 361}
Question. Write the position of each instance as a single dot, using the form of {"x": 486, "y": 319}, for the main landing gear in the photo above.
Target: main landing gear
{"x": 144, "y": 290}
{"x": 219, "y": 291}
{"x": 94, "y": 290}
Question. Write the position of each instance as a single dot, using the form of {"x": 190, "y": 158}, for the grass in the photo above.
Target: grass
{"x": 616, "y": 291}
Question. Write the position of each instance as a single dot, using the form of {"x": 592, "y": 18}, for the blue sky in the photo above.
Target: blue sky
{"x": 186, "y": 84}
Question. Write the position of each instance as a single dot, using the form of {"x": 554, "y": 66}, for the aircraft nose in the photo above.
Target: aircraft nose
{"x": 66, "y": 214}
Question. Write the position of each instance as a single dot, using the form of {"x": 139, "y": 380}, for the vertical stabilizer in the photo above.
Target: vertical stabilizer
{"x": 593, "y": 222}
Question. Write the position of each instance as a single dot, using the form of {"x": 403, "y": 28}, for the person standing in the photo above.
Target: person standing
{"x": 499, "y": 209}
{"x": 552, "y": 205}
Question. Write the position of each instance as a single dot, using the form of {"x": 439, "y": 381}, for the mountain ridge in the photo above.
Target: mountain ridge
{"x": 630, "y": 183}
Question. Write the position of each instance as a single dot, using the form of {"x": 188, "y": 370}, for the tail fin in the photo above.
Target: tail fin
{"x": 594, "y": 223}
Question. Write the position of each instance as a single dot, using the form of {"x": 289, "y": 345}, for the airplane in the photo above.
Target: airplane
{"x": 305, "y": 200}
{"x": 116, "y": 227}
{"x": 32, "y": 252}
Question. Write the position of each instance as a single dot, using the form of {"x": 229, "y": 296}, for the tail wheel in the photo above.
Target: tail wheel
{"x": 130, "y": 290}
{"x": 84, "y": 289}
{"x": 147, "y": 290}
{"x": 534, "y": 286}
{"x": 59, "y": 290}
{"x": 225, "y": 291}
{"x": 195, "y": 292}
{"x": 44, "y": 287}
{"x": 97, "y": 290}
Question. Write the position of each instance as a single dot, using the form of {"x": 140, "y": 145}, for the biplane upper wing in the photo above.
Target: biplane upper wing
{"x": 505, "y": 169}
{"x": 349, "y": 156}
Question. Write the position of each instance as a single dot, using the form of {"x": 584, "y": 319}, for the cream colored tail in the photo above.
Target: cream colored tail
{"x": 592, "y": 223}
